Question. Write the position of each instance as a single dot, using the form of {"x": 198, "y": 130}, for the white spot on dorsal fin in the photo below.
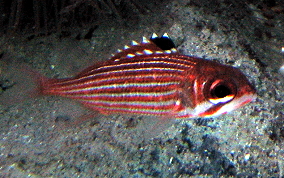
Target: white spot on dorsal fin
{"x": 119, "y": 50}
{"x": 116, "y": 60}
{"x": 130, "y": 55}
{"x": 138, "y": 53}
{"x": 159, "y": 52}
{"x": 165, "y": 35}
{"x": 168, "y": 51}
{"x": 147, "y": 51}
{"x": 134, "y": 43}
{"x": 126, "y": 47}
{"x": 145, "y": 40}
{"x": 174, "y": 50}
{"x": 154, "y": 35}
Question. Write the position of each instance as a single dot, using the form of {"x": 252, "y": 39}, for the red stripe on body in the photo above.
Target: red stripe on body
{"x": 124, "y": 78}
{"x": 178, "y": 59}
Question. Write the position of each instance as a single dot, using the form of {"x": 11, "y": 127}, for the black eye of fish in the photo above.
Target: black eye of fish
{"x": 221, "y": 91}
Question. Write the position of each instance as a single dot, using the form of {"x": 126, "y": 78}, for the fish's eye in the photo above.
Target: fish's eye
{"x": 221, "y": 92}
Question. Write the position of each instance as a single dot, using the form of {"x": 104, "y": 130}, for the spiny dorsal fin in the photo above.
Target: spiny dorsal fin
{"x": 146, "y": 47}
{"x": 164, "y": 42}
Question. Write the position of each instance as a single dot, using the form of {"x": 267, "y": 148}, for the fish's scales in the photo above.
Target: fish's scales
{"x": 146, "y": 85}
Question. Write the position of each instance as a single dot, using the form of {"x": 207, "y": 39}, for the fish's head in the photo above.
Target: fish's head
{"x": 218, "y": 89}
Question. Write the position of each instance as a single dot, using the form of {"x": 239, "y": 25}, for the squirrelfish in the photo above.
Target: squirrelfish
{"x": 146, "y": 78}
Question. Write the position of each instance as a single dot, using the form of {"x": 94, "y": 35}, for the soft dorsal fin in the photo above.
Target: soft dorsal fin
{"x": 156, "y": 45}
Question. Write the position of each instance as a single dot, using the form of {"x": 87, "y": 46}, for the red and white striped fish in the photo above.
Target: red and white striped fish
{"x": 145, "y": 79}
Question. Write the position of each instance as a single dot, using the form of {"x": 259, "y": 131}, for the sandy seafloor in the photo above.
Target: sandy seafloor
{"x": 39, "y": 138}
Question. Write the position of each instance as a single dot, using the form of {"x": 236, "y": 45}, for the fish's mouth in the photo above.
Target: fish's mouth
{"x": 237, "y": 103}
{"x": 246, "y": 99}
{"x": 216, "y": 110}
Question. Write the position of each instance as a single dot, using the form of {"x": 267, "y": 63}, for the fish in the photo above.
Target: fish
{"x": 151, "y": 78}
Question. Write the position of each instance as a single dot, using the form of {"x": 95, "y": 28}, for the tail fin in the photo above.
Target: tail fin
{"x": 18, "y": 83}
